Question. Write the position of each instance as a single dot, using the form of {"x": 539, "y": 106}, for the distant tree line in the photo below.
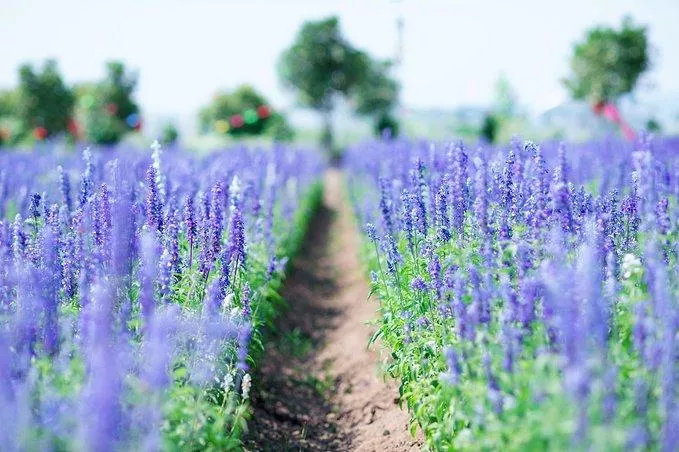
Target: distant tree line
{"x": 43, "y": 106}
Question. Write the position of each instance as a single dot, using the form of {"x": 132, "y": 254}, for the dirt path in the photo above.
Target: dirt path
{"x": 319, "y": 388}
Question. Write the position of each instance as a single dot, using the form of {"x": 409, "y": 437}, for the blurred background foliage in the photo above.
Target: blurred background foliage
{"x": 347, "y": 89}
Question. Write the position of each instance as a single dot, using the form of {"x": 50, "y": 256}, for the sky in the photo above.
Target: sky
{"x": 453, "y": 51}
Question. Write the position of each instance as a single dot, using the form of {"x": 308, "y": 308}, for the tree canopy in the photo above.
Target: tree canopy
{"x": 321, "y": 66}
{"x": 376, "y": 96}
{"x": 45, "y": 102}
{"x": 322, "y": 63}
{"x": 108, "y": 108}
{"x": 609, "y": 62}
{"x": 243, "y": 112}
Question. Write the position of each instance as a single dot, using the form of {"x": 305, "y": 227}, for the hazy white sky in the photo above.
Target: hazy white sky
{"x": 454, "y": 50}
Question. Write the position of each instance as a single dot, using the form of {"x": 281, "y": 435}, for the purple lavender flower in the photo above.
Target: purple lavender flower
{"x": 164, "y": 281}
{"x": 454, "y": 373}
{"x": 459, "y": 189}
{"x": 418, "y": 284}
{"x": 407, "y": 220}
{"x": 216, "y": 218}
{"x": 386, "y": 207}
{"x": 190, "y": 225}
{"x": 148, "y": 272}
{"x": 154, "y": 207}
{"x": 65, "y": 188}
{"x": 86, "y": 179}
{"x": 441, "y": 211}
{"x": 213, "y": 301}
{"x": 34, "y": 208}
{"x": 539, "y": 191}
{"x": 481, "y": 195}
{"x": 371, "y": 232}
{"x": 434, "y": 267}
{"x": 662, "y": 216}
{"x": 245, "y": 301}
{"x": 237, "y": 253}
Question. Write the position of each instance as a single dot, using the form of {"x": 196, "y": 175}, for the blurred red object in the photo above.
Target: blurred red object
{"x": 111, "y": 108}
{"x": 137, "y": 126}
{"x": 73, "y": 128}
{"x": 263, "y": 111}
{"x": 611, "y": 112}
{"x": 236, "y": 121}
{"x": 40, "y": 133}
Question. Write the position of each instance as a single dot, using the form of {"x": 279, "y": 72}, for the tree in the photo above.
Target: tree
{"x": 489, "y": 128}
{"x": 505, "y": 97}
{"x": 170, "y": 134}
{"x": 279, "y": 128}
{"x": 241, "y": 112}
{"x": 8, "y": 103}
{"x": 320, "y": 66}
{"x": 45, "y": 103}
{"x": 376, "y": 96}
{"x": 108, "y": 107}
{"x": 653, "y": 126}
{"x": 608, "y": 63}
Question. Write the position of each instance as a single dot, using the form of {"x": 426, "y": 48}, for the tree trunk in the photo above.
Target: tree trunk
{"x": 327, "y": 136}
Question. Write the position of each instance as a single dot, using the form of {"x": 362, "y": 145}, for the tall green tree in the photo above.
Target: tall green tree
{"x": 376, "y": 96}
{"x": 44, "y": 99}
{"x": 321, "y": 66}
{"x": 609, "y": 62}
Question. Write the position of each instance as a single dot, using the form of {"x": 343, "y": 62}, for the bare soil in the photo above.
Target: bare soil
{"x": 319, "y": 387}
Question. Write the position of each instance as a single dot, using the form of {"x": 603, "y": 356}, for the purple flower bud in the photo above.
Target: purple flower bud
{"x": 418, "y": 284}
{"x": 164, "y": 282}
{"x": 441, "y": 210}
{"x": 245, "y": 301}
{"x": 190, "y": 224}
{"x": 154, "y": 207}
{"x": 237, "y": 254}
{"x": 34, "y": 208}
{"x": 371, "y": 232}
{"x": 65, "y": 188}
{"x": 86, "y": 179}
{"x": 662, "y": 216}
{"x": 386, "y": 207}
{"x": 434, "y": 267}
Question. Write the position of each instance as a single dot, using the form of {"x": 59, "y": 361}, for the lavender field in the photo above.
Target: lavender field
{"x": 382, "y": 226}
{"x": 134, "y": 289}
{"x": 528, "y": 293}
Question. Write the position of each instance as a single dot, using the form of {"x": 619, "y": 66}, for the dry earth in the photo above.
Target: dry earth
{"x": 319, "y": 387}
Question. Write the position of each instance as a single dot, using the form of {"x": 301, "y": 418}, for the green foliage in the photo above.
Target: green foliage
{"x": 244, "y": 101}
{"x": 279, "y": 128}
{"x": 225, "y": 105}
{"x": 609, "y": 62}
{"x": 170, "y": 134}
{"x": 386, "y": 124}
{"x": 489, "y": 128}
{"x": 105, "y": 107}
{"x": 9, "y": 100}
{"x": 653, "y": 126}
{"x": 321, "y": 65}
{"x": 376, "y": 96}
{"x": 44, "y": 100}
